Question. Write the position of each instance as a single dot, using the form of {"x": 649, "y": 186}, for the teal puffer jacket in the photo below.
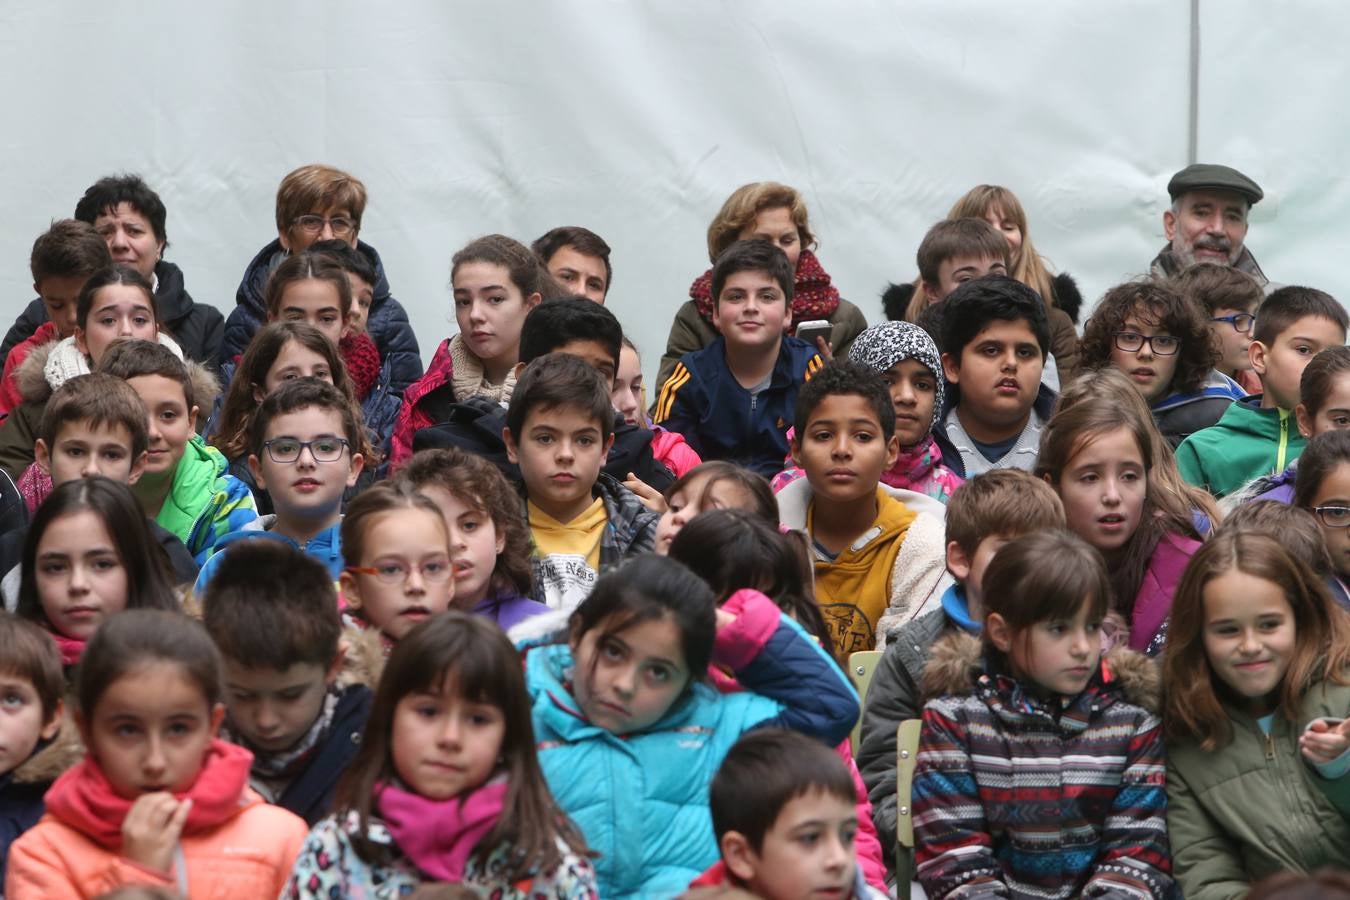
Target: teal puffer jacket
{"x": 641, "y": 800}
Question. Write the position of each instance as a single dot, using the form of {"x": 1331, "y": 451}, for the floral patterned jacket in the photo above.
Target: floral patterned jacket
{"x": 328, "y": 866}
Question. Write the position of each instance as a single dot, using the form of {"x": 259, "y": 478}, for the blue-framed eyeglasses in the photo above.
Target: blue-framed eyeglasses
{"x": 1242, "y": 322}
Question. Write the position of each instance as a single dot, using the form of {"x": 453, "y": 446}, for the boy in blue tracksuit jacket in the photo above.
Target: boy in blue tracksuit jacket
{"x": 735, "y": 399}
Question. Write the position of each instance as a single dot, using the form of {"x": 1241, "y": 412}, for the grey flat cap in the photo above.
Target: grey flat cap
{"x": 1211, "y": 177}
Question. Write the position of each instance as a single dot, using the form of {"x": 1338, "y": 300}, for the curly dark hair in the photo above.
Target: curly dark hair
{"x": 480, "y": 484}
{"x": 1158, "y": 304}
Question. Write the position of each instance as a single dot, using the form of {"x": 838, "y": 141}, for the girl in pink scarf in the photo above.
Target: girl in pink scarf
{"x": 446, "y": 786}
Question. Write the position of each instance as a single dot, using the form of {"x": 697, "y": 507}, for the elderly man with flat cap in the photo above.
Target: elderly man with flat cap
{"x": 1207, "y": 221}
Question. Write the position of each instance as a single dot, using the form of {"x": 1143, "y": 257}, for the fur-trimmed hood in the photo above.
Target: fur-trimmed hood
{"x": 52, "y": 760}
{"x": 546, "y": 628}
{"x": 49, "y": 365}
{"x": 957, "y": 660}
{"x": 895, "y": 298}
{"x": 363, "y": 657}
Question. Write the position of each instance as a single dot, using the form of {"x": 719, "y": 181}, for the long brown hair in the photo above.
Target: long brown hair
{"x": 307, "y": 266}
{"x": 1069, "y": 429}
{"x": 756, "y": 486}
{"x": 237, "y": 411}
{"x": 468, "y": 656}
{"x": 1192, "y": 708}
{"x": 144, "y": 637}
{"x": 733, "y": 549}
{"x": 149, "y": 574}
{"x": 373, "y": 503}
{"x": 1158, "y": 304}
{"x": 1111, "y": 387}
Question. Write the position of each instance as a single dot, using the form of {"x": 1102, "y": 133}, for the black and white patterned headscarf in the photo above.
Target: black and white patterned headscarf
{"x": 883, "y": 345}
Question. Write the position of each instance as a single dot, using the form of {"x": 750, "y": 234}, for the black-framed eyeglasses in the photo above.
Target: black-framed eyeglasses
{"x": 288, "y": 450}
{"x": 433, "y": 571}
{"x": 1332, "y": 516}
{"x": 1241, "y": 322}
{"x": 311, "y": 224}
{"x": 1158, "y": 344}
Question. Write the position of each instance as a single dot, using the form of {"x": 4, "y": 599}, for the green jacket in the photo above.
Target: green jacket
{"x": 205, "y": 503}
{"x": 1255, "y": 806}
{"x": 1245, "y": 443}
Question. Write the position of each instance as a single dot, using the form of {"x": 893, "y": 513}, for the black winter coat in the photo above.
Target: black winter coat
{"x": 310, "y": 795}
{"x": 388, "y": 323}
{"x": 197, "y": 327}
{"x": 476, "y": 426}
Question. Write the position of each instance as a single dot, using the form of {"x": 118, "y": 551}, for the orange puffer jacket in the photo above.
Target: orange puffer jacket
{"x": 244, "y": 849}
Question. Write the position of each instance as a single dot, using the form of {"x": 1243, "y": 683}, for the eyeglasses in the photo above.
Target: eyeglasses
{"x": 1241, "y": 322}
{"x": 341, "y": 225}
{"x": 1332, "y": 516}
{"x": 433, "y": 572}
{"x": 288, "y": 450}
{"x": 1158, "y": 345}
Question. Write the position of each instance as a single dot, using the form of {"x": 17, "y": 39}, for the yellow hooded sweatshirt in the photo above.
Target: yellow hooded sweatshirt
{"x": 853, "y": 590}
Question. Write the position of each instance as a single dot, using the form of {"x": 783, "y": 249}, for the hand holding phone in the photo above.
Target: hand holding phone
{"x": 811, "y": 330}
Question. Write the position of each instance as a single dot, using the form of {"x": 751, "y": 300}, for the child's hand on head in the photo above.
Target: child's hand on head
{"x": 1324, "y": 740}
{"x": 151, "y": 829}
{"x": 650, "y": 496}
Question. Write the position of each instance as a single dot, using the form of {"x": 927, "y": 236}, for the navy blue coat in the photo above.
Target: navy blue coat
{"x": 703, "y": 401}
{"x": 310, "y": 794}
{"x": 388, "y": 323}
{"x": 20, "y": 808}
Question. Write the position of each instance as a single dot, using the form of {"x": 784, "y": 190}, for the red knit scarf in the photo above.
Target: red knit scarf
{"x": 84, "y": 799}
{"x": 813, "y": 297}
{"x": 363, "y": 361}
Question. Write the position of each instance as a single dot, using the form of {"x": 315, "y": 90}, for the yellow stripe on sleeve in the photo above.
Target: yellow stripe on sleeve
{"x": 678, "y": 379}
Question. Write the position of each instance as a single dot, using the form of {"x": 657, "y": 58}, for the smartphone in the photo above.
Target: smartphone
{"x": 1332, "y": 721}
{"x": 809, "y": 331}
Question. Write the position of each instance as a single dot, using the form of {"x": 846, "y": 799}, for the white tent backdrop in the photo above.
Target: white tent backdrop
{"x": 637, "y": 119}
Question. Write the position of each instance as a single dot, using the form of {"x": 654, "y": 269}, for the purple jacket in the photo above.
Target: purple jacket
{"x": 1153, "y": 603}
{"x": 1279, "y": 487}
{"x": 508, "y": 610}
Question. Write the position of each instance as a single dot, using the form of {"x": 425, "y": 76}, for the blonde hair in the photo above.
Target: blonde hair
{"x": 1026, "y": 264}
{"x": 747, "y": 202}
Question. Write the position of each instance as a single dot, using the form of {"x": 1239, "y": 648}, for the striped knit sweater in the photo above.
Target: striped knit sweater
{"x": 1017, "y": 798}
